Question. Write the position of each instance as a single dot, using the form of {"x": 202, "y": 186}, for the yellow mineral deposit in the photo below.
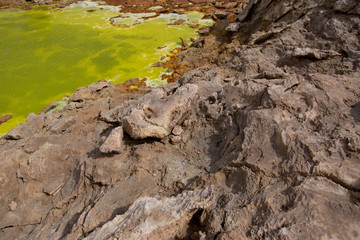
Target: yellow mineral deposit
{"x": 46, "y": 54}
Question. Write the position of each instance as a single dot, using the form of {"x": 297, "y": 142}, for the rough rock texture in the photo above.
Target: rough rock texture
{"x": 179, "y": 6}
{"x": 148, "y": 215}
{"x": 158, "y": 112}
{"x": 269, "y": 147}
{"x": 5, "y": 118}
{"x": 114, "y": 142}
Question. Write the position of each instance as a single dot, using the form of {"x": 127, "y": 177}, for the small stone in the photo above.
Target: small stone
{"x": 177, "y": 130}
{"x": 202, "y": 235}
{"x": 184, "y": 42}
{"x": 204, "y": 31}
{"x": 221, "y": 15}
{"x": 179, "y": 22}
{"x": 207, "y": 16}
{"x": 5, "y": 118}
{"x": 114, "y": 143}
{"x": 13, "y": 206}
{"x": 229, "y": 79}
{"x": 232, "y": 27}
{"x": 187, "y": 123}
{"x": 232, "y": 17}
{"x": 175, "y": 139}
{"x": 219, "y": 4}
{"x": 230, "y": 5}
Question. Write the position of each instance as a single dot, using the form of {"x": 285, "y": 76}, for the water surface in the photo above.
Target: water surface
{"x": 46, "y": 54}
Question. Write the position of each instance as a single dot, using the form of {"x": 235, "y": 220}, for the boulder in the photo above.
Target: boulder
{"x": 155, "y": 117}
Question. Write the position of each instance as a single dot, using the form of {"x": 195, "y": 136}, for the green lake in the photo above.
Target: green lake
{"x": 46, "y": 54}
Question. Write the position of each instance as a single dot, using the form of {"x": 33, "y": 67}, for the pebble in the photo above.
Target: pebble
{"x": 13, "y": 206}
{"x": 177, "y": 130}
{"x": 175, "y": 139}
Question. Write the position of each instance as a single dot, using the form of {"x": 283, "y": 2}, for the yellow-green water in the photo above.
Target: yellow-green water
{"x": 45, "y": 54}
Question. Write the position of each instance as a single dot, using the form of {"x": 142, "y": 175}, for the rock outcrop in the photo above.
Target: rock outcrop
{"x": 262, "y": 141}
{"x": 158, "y": 112}
{"x": 151, "y": 218}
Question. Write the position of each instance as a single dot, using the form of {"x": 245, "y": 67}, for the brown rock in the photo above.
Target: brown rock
{"x": 13, "y": 206}
{"x": 314, "y": 53}
{"x": 35, "y": 122}
{"x": 184, "y": 42}
{"x": 271, "y": 130}
{"x": 232, "y": 27}
{"x": 230, "y": 5}
{"x": 155, "y": 218}
{"x": 179, "y": 22}
{"x": 5, "y": 118}
{"x": 204, "y": 31}
{"x": 221, "y": 15}
{"x": 219, "y": 4}
{"x": 61, "y": 125}
{"x": 175, "y": 139}
{"x": 232, "y": 17}
{"x": 344, "y": 5}
{"x": 81, "y": 94}
{"x": 114, "y": 142}
{"x": 154, "y": 117}
{"x": 177, "y": 130}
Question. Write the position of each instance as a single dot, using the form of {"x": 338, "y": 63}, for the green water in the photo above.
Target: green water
{"x": 45, "y": 54}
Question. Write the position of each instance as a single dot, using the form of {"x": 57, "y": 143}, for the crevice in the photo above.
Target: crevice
{"x": 338, "y": 181}
{"x": 70, "y": 224}
{"x": 251, "y": 167}
{"x": 194, "y": 227}
{"x": 21, "y": 225}
{"x": 116, "y": 212}
{"x": 7, "y": 227}
{"x": 329, "y": 177}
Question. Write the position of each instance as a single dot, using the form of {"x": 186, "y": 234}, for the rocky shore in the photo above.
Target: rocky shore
{"x": 143, "y": 6}
{"x": 259, "y": 138}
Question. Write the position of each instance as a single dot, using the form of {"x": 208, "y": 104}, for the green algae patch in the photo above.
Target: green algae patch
{"x": 46, "y": 54}
{"x": 60, "y": 104}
